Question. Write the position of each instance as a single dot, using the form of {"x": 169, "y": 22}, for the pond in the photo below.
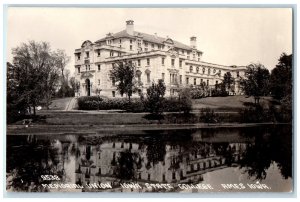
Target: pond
{"x": 219, "y": 159}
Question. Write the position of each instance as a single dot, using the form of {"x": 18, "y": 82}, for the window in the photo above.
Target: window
{"x": 187, "y": 80}
{"x": 87, "y": 54}
{"x": 139, "y": 62}
{"x": 148, "y": 77}
{"x": 78, "y": 57}
{"x": 197, "y": 69}
{"x": 180, "y": 63}
{"x": 78, "y": 69}
{"x": 152, "y": 45}
{"x": 203, "y": 70}
{"x": 215, "y": 70}
{"x": 120, "y": 41}
{"x": 173, "y": 176}
{"x": 163, "y": 76}
{"x": 146, "y": 44}
{"x": 119, "y": 54}
{"x": 172, "y": 62}
{"x": 99, "y": 67}
{"x": 201, "y": 81}
{"x": 159, "y": 47}
{"x": 182, "y": 51}
{"x": 163, "y": 61}
{"x": 207, "y": 82}
{"x": 191, "y": 68}
{"x": 113, "y": 81}
{"x": 220, "y": 72}
{"x": 111, "y": 53}
{"x": 98, "y": 82}
{"x": 194, "y": 56}
{"x": 113, "y": 93}
{"x": 130, "y": 47}
{"x": 237, "y": 74}
{"x": 139, "y": 44}
{"x": 148, "y": 61}
{"x": 217, "y": 82}
{"x": 149, "y": 176}
{"x": 98, "y": 53}
{"x": 130, "y": 40}
{"x": 195, "y": 81}
{"x": 208, "y": 71}
{"x": 146, "y": 49}
{"x": 180, "y": 79}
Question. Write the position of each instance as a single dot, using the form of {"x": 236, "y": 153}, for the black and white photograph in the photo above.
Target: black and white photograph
{"x": 149, "y": 100}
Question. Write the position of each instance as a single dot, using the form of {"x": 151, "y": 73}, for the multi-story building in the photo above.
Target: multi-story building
{"x": 154, "y": 58}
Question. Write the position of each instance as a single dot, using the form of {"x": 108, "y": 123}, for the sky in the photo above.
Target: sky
{"x": 226, "y": 36}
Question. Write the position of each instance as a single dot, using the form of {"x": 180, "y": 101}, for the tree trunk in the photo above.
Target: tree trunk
{"x": 34, "y": 113}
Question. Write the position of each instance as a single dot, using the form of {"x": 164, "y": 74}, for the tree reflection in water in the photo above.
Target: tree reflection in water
{"x": 28, "y": 158}
{"x": 272, "y": 144}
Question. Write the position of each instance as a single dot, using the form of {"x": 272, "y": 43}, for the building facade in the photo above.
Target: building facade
{"x": 154, "y": 58}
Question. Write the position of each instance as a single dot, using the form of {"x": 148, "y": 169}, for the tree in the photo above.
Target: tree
{"x": 35, "y": 72}
{"x": 281, "y": 77}
{"x": 228, "y": 81}
{"x": 155, "y": 97}
{"x": 256, "y": 81}
{"x": 123, "y": 73}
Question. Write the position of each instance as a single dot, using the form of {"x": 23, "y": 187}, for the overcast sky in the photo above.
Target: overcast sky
{"x": 226, "y": 36}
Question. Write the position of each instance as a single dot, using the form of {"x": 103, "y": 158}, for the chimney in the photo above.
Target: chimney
{"x": 193, "y": 41}
{"x": 129, "y": 27}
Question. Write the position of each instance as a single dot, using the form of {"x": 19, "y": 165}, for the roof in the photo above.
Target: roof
{"x": 147, "y": 37}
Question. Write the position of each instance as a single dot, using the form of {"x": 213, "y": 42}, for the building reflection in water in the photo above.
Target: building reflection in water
{"x": 180, "y": 157}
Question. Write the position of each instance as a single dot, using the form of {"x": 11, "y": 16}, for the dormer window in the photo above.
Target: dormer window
{"x": 146, "y": 44}
{"x": 98, "y": 53}
{"x": 87, "y": 54}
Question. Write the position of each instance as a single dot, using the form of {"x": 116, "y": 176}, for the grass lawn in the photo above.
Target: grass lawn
{"x": 229, "y": 103}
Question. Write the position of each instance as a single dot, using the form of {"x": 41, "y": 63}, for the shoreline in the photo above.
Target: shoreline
{"x": 116, "y": 129}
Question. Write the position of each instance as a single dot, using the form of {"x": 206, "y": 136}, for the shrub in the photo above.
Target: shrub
{"x": 89, "y": 102}
{"x": 155, "y": 98}
{"x": 208, "y": 115}
{"x": 197, "y": 93}
{"x": 185, "y": 101}
{"x": 256, "y": 114}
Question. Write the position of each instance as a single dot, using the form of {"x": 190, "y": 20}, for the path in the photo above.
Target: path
{"x": 72, "y": 104}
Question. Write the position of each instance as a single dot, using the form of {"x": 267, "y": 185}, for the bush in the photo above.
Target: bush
{"x": 89, "y": 102}
{"x": 155, "y": 98}
{"x": 256, "y": 114}
{"x": 208, "y": 115}
{"x": 185, "y": 101}
{"x": 197, "y": 93}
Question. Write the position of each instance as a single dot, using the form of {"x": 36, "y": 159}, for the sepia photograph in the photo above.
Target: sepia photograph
{"x": 159, "y": 100}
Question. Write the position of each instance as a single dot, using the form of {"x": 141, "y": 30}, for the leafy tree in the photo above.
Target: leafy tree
{"x": 33, "y": 75}
{"x": 256, "y": 81}
{"x": 123, "y": 73}
{"x": 281, "y": 77}
{"x": 228, "y": 81}
{"x": 155, "y": 97}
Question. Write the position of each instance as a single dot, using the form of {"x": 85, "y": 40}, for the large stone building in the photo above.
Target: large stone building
{"x": 154, "y": 58}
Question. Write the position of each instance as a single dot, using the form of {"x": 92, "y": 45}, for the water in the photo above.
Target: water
{"x": 245, "y": 159}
